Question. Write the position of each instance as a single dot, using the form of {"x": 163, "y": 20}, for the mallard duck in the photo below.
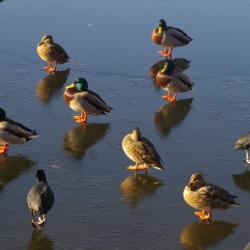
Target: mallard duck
{"x": 12, "y": 132}
{"x": 82, "y": 100}
{"x": 169, "y": 37}
{"x": 173, "y": 82}
{"x": 40, "y": 199}
{"x": 244, "y": 143}
{"x": 205, "y": 197}
{"x": 141, "y": 151}
{"x": 51, "y": 52}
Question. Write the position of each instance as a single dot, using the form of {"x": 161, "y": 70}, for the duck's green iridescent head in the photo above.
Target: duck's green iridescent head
{"x": 162, "y": 25}
{"x": 79, "y": 84}
{"x": 168, "y": 67}
{"x": 2, "y": 114}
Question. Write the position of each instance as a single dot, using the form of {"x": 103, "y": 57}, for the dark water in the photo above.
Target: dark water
{"x": 99, "y": 204}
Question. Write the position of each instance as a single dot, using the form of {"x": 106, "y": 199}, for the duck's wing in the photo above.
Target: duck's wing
{"x": 217, "y": 197}
{"x": 96, "y": 101}
{"x": 17, "y": 129}
{"x": 184, "y": 79}
{"x": 58, "y": 53}
{"x": 178, "y": 34}
{"x": 149, "y": 153}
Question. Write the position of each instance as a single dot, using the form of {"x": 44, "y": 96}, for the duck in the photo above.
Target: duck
{"x": 40, "y": 199}
{"x": 51, "y": 52}
{"x": 169, "y": 37}
{"x": 12, "y": 132}
{"x": 172, "y": 81}
{"x": 141, "y": 151}
{"x": 243, "y": 143}
{"x": 205, "y": 197}
{"x": 82, "y": 100}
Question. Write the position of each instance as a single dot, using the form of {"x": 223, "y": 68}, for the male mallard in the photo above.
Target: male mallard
{"x": 12, "y": 132}
{"x": 169, "y": 37}
{"x": 82, "y": 100}
{"x": 173, "y": 82}
{"x": 51, "y": 52}
{"x": 244, "y": 143}
{"x": 205, "y": 197}
{"x": 40, "y": 198}
{"x": 140, "y": 150}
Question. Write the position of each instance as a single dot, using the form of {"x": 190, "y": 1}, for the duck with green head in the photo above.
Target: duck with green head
{"x": 82, "y": 100}
{"x": 169, "y": 37}
{"x": 172, "y": 81}
{"x": 12, "y": 132}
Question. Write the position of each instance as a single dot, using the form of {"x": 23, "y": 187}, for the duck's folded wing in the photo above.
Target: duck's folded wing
{"x": 179, "y": 34}
{"x": 56, "y": 51}
{"x": 97, "y": 101}
{"x": 150, "y": 155}
{"x": 18, "y": 129}
{"x": 217, "y": 196}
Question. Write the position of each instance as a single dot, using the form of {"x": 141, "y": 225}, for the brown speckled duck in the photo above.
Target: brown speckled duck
{"x": 51, "y": 52}
{"x": 205, "y": 197}
{"x": 82, "y": 100}
{"x": 141, "y": 151}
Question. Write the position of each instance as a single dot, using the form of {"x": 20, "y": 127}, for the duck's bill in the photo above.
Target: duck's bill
{"x": 70, "y": 86}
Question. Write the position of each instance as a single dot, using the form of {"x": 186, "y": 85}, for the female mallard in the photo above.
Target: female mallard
{"x": 173, "y": 82}
{"x": 244, "y": 143}
{"x": 205, "y": 197}
{"x": 40, "y": 198}
{"x": 82, "y": 100}
{"x": 169, "y": 37}
{"x": 12, "y": 132}
{"x": 140, "y": 150}
{"x": 51, "y": 52}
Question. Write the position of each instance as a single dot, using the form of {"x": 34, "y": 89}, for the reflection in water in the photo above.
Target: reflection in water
{"x": 200, "y": 235}
{"x": 171, "y": 115}
{"x": 13, "y": 166}
{"x": 242, "y": 180}
{"x": 50, "y": 85}
{"x": 139, "y": 186}
{"x": 181, "y": 64}
{"x": 77, "y": 140}
{"x": 39, "y": 241}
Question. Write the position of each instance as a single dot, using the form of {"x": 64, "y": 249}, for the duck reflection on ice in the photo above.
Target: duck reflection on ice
{"x": 79, "y": 139}
{"x": 50, "y": 85}
{"x": 13, "y": 166}
{"x": 242, "y": 180}
{"x": 136, "y": 187}
{"x": 181, "y": 64}
{"x": 39, "y": 241}
{"x": 170, "y": 115}
{"x": 199, "y": 235}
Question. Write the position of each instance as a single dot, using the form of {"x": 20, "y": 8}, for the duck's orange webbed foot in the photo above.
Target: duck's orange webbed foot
{"x": 4, "y": 149}
{"x": 203, "y": 215}
{"x": 81, "y": 119}
{"x": 51, "y": 69}
{"x": 199, "y": 213}
{"x": 165, "y": 53}
{"x": 167, "y": 97}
